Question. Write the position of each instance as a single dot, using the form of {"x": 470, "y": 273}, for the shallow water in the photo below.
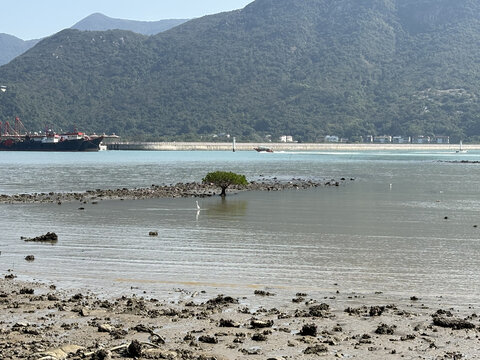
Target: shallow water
{"x": 385, "y": 231}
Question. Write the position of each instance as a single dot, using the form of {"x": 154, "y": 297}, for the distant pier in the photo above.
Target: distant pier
{"x": 212, "y": 146}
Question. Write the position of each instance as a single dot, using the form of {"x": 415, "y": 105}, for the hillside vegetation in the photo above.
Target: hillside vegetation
{"x": 305, "y": 68}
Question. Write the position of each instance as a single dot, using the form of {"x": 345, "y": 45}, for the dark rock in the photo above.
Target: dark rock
{"x": 309, "y": 330}
{"x": 443, "y": 312}
{"x": 48, "y": 237}
{"x": 118, "y": 333}
{"x": 259, "y": 324}
{"x": 263, "y": 293}
{"x": 222, "y": 300}
{"x": 134, "y": 349}
{"x": 259, "y": 337}
{"x": 101, "y": 354}
{"x": 208, "y": 339}
{"x": 453, "y": 323}
{"x": 28, "y": 291}
{"x": 376, "y": 310}
{"x": 356, "y": 311}
{"x": 316, "y": 350}
{"x": 384, "y": 329}
{"x": 228, "y": 323}
{"x": 337, "y": 328}
{"x": 142, "y": 328}
{"x": 76, "y": 297}
{"x": 319, "y": 310}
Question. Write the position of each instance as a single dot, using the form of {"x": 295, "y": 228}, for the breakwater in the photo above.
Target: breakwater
{"x": 213, "y": 146}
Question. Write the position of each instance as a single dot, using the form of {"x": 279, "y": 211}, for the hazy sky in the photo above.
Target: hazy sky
{"x": 33, "y": 19}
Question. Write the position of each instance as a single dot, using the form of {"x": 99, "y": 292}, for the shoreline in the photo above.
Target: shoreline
{"x": 39, "y": 321}
{"x": 276, "y": 147}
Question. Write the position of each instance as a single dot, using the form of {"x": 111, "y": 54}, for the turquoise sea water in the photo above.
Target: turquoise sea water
{"x": 385, "y": 231}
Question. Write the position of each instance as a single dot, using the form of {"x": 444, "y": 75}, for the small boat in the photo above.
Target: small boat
{"x": 263, "y": 149}
{"x": 460, "y": 150}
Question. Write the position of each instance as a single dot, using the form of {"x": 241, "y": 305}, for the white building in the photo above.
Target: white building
{"x": 332, "y": 139}
{"x": 286, "y": 138}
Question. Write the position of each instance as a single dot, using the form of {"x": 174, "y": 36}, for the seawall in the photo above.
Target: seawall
{"x": 211, "y": 146}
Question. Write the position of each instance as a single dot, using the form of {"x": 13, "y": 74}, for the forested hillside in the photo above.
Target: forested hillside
{"x": 305, "y": 68}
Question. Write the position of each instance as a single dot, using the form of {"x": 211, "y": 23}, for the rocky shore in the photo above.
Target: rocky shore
{"x": 164, "y": 191}
{"x": 40, "y": 322}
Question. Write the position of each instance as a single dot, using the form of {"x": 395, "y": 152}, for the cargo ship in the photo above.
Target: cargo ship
{"x": 11, "y": 139}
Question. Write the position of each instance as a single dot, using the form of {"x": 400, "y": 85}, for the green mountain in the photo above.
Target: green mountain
{"x": 100, "y": 22}
{"x": 306, "y": 68}
{"x": 12, "y": 46}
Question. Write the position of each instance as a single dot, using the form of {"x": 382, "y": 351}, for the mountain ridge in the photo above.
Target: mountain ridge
{"x": 307, "y": 68}
{"x": 101, "y": 22}
{"x": 11, "y": 46}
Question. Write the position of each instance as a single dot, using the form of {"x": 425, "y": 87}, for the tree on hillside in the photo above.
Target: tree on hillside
{"x": 224, "y": 179}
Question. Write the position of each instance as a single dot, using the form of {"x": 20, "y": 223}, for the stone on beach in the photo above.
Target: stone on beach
{"x": 454, "y": 323}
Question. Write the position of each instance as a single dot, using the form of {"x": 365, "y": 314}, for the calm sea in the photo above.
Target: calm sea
{"x": 385, "y": 231}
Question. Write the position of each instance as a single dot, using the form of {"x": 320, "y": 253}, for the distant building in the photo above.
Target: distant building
{"x": 441, "y": 140}
{"x": 401, "y": 139}
{"x": 384, "y": 139}
{"x": 421, "y": 139}
{"x": 332, "y": 139}
{"x": 286, "y": 138}
{"x": 369, "y": 138}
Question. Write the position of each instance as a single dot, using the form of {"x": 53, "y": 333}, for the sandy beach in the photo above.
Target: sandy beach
{"x": 40, "y": 321}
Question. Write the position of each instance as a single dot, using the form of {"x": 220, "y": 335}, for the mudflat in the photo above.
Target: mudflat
{"x": 41, "y": 321}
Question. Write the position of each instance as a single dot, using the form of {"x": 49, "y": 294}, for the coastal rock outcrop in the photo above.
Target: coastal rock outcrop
{"x": 179, "y": 190}
{"x": 48, "y": 237}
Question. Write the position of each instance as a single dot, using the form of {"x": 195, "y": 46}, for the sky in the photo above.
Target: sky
{"x": 34, "y": 19}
